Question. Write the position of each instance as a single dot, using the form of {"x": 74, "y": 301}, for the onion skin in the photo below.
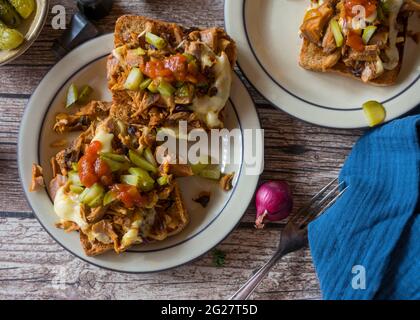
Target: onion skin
{"x": 273, "y": 201}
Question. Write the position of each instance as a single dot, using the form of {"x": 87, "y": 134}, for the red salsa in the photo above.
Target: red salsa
{"x": 128, "y": 195}
{"x": 369, "y": 5}
{"x": 92, "y": 169}
{"x": 173, "y": 68}
{"x": 355, "y": 41}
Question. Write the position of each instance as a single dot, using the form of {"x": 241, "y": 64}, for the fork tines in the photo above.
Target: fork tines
{"x": 319, "y": 202}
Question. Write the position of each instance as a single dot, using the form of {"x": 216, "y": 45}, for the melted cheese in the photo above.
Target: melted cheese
{"x": 207, "y": 107}
{"x": 392, "y": 51}
{"x": 101, "y": 237}
{"x": 132, "y": 235}
{"x": 104, "y": 138}
{"x": 67, "y": 208}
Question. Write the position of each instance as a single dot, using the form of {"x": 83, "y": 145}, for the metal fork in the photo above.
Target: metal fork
{"x": 295, "y": 234}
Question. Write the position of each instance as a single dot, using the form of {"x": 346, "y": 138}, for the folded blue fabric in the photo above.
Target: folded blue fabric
{"x": 367, "y": 245}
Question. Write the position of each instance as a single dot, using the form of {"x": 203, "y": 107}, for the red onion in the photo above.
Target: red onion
{"x": 273, "y": 201}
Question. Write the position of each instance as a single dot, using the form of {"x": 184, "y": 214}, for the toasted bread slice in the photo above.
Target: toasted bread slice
{"x": 94, "y": 248}
{"x": 127, "y": 30}
{"x": 314, "y": 59}
{"x": 170, "y": 220}
{"x": 178, "y": 212}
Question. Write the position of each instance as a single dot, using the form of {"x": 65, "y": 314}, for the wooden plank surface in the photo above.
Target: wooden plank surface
{"x": 30, "y": 261}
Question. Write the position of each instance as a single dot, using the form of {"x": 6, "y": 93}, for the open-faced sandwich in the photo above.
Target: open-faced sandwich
{"x": 160, "y": 73}
{"x": 107, "y": 184}
{"x": 363, "y": 39}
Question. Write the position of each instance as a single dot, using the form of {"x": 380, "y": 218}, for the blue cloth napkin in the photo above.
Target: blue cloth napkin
{"x": 367, "y": 245}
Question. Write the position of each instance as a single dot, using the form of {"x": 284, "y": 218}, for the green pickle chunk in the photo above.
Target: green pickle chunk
{"x": 9, "y": 38}
{"x": 9, "y": 15}
{"x": 374, "y": 112}
{"x": 23, "y": 7}
{"x": 72, "y": 95}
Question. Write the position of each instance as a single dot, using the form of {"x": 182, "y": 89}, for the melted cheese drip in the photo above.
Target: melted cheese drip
{"x": 209, "y": 107}
{"x": 392, "y": 52}
{"x": 118, "y": 53}
{"x": 101, "y": 237}
{"x": 104, "y": 138}
{"x": 132, "y": 235}
{"x": 67, "y": 208}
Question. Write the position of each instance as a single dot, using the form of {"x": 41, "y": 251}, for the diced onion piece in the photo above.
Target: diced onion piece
{"x": 130, "y": 179}
{"x": 155, "y": 40}
{"x": 145, "y": 181}
{"x": 202, "y": 164}
{"x": 338, "y": 37}
{"x": 145, "y": 84}
{"x": 152, "y": 87}
{"x": 76, "y": 189}
{"x": 183, "y": 91}
{"x": 72, "y": 95}
{"x": 134, "y": 79}
{"x": 368, "y": 33}
{"x": 139, "y": 51}
{"x": 166, "y": 89}
{"x": 162, "y": 180}
{"x": 92, "y": 196}
{"x": 374, "y": 112}
{"x": 211, "y": 172}
{"x": 148, "y": 155}
{"x": 109, "y": 197}
{"x": 140, "y": 162}
{"x": 74, "y": 166}
{"x": 84, "y": 94}
{"x": 113, "y": 165}
{"x": 115, "y": 157}
{"x": 74, "y": 178}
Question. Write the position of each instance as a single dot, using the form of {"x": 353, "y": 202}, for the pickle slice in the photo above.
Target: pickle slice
{"x": 23, "y": 7}
{"x": 9, "y": 38}
{"x": 374, "y": 112}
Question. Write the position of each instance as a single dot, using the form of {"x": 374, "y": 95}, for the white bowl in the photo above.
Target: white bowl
{"x": 30, "y": 28}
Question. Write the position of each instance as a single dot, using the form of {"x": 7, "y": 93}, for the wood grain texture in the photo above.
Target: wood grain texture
{"x": 305, "y": 155}
{"x": 32, "y": 264}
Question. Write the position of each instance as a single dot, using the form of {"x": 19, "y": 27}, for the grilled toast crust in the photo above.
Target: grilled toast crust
{"x": 128, "y": 27}
{"x": 314, "y": 59}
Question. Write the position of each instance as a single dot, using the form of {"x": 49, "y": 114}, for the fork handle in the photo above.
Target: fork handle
{"x": 248, "y": 288}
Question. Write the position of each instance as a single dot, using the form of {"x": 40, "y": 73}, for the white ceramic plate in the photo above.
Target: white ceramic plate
{"x": 266, "y": 32}
{"x": 86, "y": 65}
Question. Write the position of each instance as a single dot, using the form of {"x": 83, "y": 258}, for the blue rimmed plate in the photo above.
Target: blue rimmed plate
{"x": 209, "y": 226}
{"x": 266, "y": 32}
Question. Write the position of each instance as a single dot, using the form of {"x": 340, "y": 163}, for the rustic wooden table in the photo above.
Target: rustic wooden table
{"x": 306, "y": 156}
